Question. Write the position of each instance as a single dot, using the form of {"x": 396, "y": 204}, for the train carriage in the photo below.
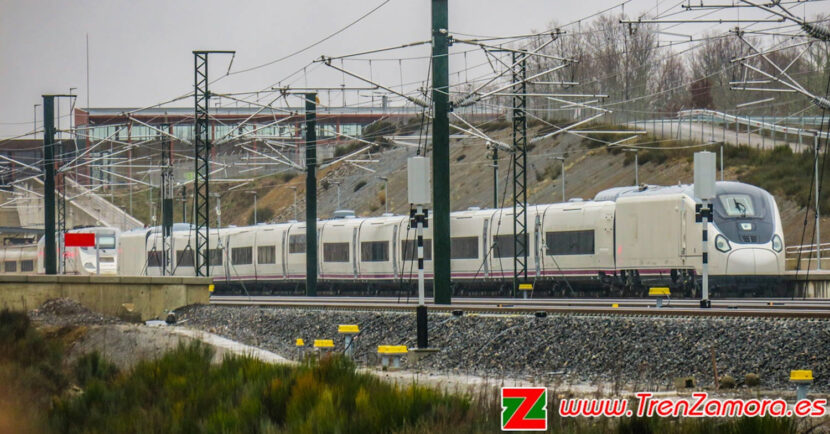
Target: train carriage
{"x": 377, "y": 255}
{"x": 621, "y": 242}
{"x": 577, "y": 243}
{"x": 18, "y": 259}
{"x": 295, "y": 252}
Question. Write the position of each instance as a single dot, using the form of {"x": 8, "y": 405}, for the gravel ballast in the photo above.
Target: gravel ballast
{"x": 641, "y": 352}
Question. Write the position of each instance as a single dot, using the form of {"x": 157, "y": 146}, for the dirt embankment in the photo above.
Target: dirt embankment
{"x": 588, "y": 169}
{"x": 83, "y": 331}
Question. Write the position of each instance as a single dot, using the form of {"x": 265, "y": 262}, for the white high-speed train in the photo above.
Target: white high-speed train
{"x": 28, "y": 258}
{"x": 621, "y": 242}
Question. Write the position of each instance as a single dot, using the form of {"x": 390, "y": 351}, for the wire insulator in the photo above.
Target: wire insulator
{"x": 816, "y": 31}
{"x": 822, "y": 103}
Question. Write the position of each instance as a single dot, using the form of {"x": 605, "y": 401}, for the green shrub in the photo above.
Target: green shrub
{"x": 94, "y": 367}
{"x": 183, "y": 392}
{"x": 726, "y": 382}
{"x": 752, "y": 380}
{"x": 287, "y": 176}
{"x": 347, "y": 149}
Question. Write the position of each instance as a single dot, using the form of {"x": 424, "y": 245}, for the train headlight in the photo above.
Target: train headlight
{"x": 777, "y": 244}
{"x": 722, "y": 244}
{"x": 89, "y": 265}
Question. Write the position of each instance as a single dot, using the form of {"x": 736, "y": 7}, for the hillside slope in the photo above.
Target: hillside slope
{"x": 589, "y": 169}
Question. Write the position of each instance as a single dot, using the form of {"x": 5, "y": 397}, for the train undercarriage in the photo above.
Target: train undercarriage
{"x": 625, "y": 283}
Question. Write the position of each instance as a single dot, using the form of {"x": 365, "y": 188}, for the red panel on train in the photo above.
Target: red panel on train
{"x": 79, "y": 240}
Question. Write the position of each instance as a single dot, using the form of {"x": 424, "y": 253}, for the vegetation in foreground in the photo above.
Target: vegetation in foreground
{"x": 184, "y": 392}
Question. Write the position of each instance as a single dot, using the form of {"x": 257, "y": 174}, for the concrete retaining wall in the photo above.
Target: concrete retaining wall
{"x": 152, "y": 297}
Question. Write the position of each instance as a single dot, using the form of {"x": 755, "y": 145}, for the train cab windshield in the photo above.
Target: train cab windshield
{"x": 737, "y": 205}
{"x": 106, "y": 241}
{"x": 743, "y": 214}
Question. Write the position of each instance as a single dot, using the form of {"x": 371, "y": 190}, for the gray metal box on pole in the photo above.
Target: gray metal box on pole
{"x": 705, "y": 191}
{"x": 417, "y": 173}
{"x": 705, "y": 175}
{"x": 418, "y": 181}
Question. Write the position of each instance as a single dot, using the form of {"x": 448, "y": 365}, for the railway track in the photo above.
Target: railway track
{"x": 769, "y": 307}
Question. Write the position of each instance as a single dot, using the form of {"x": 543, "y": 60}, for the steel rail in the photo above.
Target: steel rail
{"x": 765, "y": 308}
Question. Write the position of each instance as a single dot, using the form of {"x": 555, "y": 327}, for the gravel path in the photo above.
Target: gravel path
{"x": 634, "y": 351}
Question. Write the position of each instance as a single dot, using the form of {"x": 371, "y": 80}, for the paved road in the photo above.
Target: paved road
{"x": 706, "y": 132}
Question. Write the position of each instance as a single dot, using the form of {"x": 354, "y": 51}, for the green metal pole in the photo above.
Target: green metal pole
{"x": 440, "y": 154}
{"x": 166, "y": 204}
{"x": 311, "y": 194}
{"x": 50, "y": 262}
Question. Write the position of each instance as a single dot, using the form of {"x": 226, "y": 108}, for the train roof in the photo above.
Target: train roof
{"x": 615, "y": 193}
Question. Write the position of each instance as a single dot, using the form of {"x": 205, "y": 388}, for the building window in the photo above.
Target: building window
{"x": 266, "y": 255}
{"x": 242, "y": 255}
{"x": 374, "y": 251}
{"x": 27, "y": 265}
{"x": 154, "y": 258}
{"x": 464, "y": 248}
{"x": 10, "y": 266}
{"x": 184, "y": 258}
{"x": 503, "y": 246}
{"x": 296, "y": 243}
{"x": 215, "y": 257}
{"x": 335, "y": 252}
{"x": 569, "y": 243}
{"x": 410, "y": 250}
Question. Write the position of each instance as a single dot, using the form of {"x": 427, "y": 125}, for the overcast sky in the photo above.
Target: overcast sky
{"x": 140, "y": 51}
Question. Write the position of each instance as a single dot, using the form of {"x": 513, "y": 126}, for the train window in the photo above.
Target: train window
{"x": 335, "y": 252}
{"x": 503, "y": 246}
{"x": 296, "y": 243}
{"x": 153, "y": 258}
{"x": 184, "y": 258}
{"x": 10, "y": 266}
{"x": 569, "y": 243}
{"x": 737, "y": 205}
{"x": 27, "y": 265}
{"x": 215, "y": 257}
{"x": 266, "y": 255}
{"x": 105, "y": 241}
{"x": 410, "y": 250}
{"x": 464, "y": 248}
{"x": 242, "y": 255}
{"x": 374, "y": 251}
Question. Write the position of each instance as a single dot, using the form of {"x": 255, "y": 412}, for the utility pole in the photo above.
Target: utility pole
{"x": 60, "y": 179}
{"x": 50, "y": 249}
{"x": 495, "y": 176}
{"x": 50, "y": 263}
{"x": 337, "y": 183}
{"x": 202, "y": 144}
{"x": 441, "y": 153}
{"x": 311, "y": 194}
{"x": 295, "y": 201}
{"x": 166, "y": 204}
{"x": 34, "y": 122}
{"x": 818, "y": 216}
{"x": 519, "y": 172}
{"x": 636, "y": 165}
{"x": 385, "y": 180}
{"x": 184, "y": 204}
{"x": 704, "y": 189}
{"x": 254, "y": 193}
{"x": 562, "y": 160}
{"x": 417, "y": 174}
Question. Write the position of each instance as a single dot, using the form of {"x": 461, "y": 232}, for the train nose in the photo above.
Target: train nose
{"x": 752, "y": 261}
